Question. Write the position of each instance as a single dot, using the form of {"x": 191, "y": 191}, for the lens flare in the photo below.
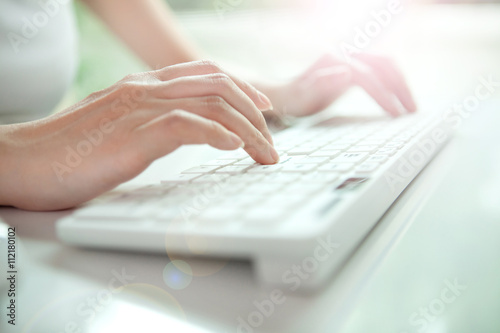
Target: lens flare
{"x": 177, "y": 274}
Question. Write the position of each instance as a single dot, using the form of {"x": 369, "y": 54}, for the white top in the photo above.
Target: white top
{"x": 38, "y": 58}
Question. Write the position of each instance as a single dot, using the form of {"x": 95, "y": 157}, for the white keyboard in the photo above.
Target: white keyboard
{"x": 333, "y": 183}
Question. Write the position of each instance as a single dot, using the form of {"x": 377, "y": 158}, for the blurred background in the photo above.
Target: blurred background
{"x": 442, "y": 46}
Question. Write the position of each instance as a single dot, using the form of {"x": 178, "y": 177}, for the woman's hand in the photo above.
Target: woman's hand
{"x": 113, "y": 135}
{"x": 330, "y": 77}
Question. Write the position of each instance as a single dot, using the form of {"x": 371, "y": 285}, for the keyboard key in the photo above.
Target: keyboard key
{"x": 234, "y": 155}
{"x": 336, "y": 167}
{"x": 181, "y": 178}
{"x": 202, "y": 169}
{"x": 394, "y": 144}
{"x": 262, "y": 188}
{"x": 247, "y": 178}
{"x": 337, "y": 146}
{"x": 367, "y": 167}
{"x": 326, "y": 153}
{"x": 280, "y": 178}
{"x": 350, "y": 158}
{"x": 377, "y": 159}
{"x": 246, "y": 161}
{"x": 211, "y": 178}
{"x": 301, "y": 151}
{"x": 324, "y": 140}
{"x": 404, "y": 138}
{"x": 370, "y": 142}
{"x": 232, "y": 169}
{"x": 311, "y": 160}
{"x": 265, "y": 168}
{"x": 311, "y": 144}
{"x": 290, "y": 159}
{"x": 320, "y": 177}
{"x": 347, "y": 141}
{"x": 386, "y": 151}
{"x": 153, "y": 190}
{"x": 186, "y": 190}
{"x": 352, "y": 138}
{"x": 174, "y": 199}
{"x": 220, "y": 162}
{"x": 365, "y": 148}
{"x": 284, "y": 148}
{"x": 299, "y": 167}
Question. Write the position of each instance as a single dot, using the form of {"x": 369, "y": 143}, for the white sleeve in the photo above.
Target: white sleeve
{"x": 38, "y": 58}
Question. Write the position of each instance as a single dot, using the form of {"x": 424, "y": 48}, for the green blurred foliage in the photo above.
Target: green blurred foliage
{"x": 103, "y": 58}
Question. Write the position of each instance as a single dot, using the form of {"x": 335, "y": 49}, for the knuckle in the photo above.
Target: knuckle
{"x": 150, "y": 78}
{"x": 128, "y": 86}
{"x": 129, "y": 78}
{"x": 176, "y": 117}
{"x": 175, "y": 127}
{"x": 176, "y": 121}
{"x": 95, "y": 96}
{"x": 221, "y": 80}
{"x": 247, "y": 87}
{"x": 260, "y": 121}
{"x": 214, "y": 104}
{"x": 211, "y": 66}
{"x": 133, "y": 160}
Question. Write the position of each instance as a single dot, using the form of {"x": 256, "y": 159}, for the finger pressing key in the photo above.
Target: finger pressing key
{"x": 216, "y": 85}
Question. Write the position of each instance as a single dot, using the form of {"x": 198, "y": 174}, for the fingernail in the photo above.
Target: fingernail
{"x": 237, "y": 141}
{"x": 265, "y": 100}
{"x": 274, "y": 155}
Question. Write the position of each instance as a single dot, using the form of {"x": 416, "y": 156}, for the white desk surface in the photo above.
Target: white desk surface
{"x": 445, "y": 227}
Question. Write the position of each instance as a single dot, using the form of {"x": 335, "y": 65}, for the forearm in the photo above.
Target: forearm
{"x": 149, "y": 28}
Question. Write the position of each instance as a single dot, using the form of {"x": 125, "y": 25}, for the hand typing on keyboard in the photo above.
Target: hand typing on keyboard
{"x": 330, "y": 77}
{"x": 114, "y": 134}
